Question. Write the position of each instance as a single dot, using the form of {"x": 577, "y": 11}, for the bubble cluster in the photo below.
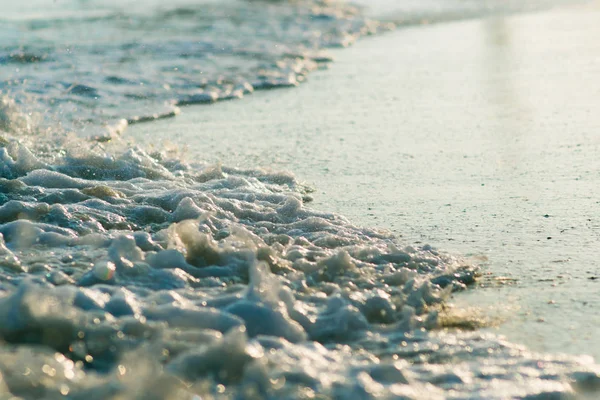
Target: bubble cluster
{"x": 132, "y": 274}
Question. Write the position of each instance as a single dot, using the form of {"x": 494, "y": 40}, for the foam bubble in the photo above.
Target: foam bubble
{"x": 104, "y": 270}
{"x": 140, "y": 271}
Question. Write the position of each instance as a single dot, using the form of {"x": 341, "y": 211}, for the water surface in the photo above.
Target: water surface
{"x": 145, "y": 270}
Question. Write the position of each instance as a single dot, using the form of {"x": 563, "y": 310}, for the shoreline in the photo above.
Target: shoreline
{"x": 465, "y": 152}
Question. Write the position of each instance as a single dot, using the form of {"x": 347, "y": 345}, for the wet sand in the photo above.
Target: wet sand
{"x": 477, "y": 137}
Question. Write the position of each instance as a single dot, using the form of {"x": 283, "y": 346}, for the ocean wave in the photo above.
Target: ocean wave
{"x": 130, "y": 274}
{"x": 131, "y": 64}
{"x": 126, "y": 273}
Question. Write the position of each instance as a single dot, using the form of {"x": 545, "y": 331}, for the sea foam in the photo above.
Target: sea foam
{"x": 126, "y": 273}
{"x": 130, "y": 275}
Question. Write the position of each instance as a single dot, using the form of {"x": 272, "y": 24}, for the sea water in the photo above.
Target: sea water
{"x": 129, "y": 273}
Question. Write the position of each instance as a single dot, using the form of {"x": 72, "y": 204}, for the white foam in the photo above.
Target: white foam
{"x": 229, "y": 279}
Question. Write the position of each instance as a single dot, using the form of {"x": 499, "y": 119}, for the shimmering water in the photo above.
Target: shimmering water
{"x": 90, "y": 64}
{"x": 126, "y": 273}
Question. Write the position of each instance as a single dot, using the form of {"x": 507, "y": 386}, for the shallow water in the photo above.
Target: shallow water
{"x": 95, "y": 66}
{"x": 125, "y": 276}
{"x": 133, "y": 273}
{"x": 478, "y": 153}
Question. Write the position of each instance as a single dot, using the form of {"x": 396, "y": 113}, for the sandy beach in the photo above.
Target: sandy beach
{"x": 478, "y": 137}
